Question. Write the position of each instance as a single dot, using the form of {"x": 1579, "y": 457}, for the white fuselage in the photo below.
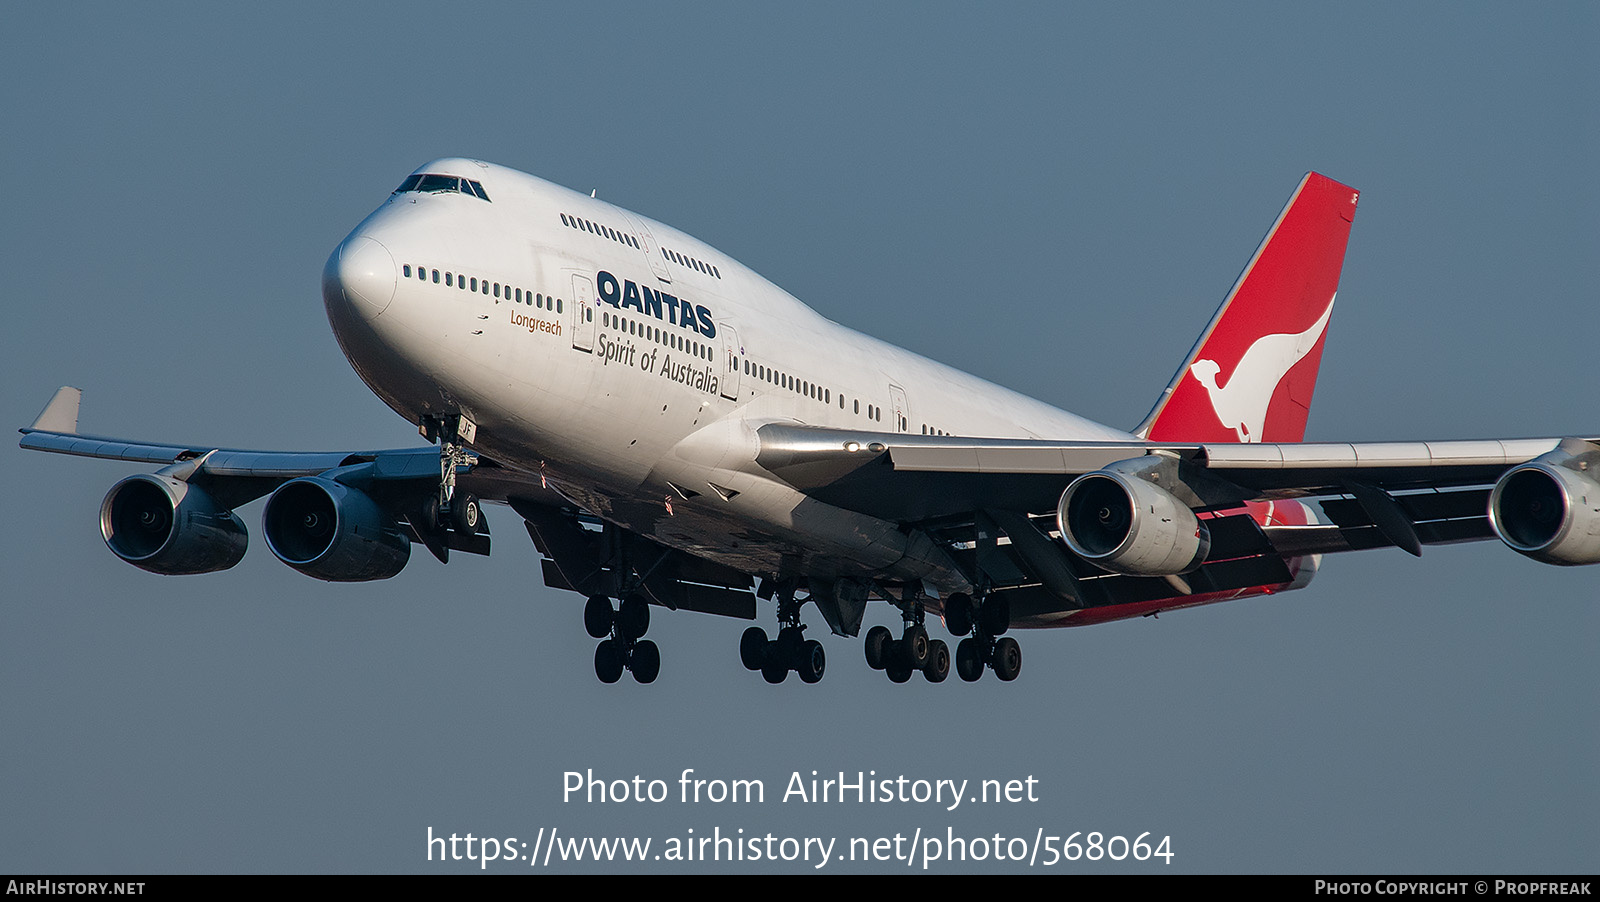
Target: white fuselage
{"x": 630, "y": 363}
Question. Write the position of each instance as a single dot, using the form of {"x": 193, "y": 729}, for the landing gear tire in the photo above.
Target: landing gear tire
{"x": 877, "y": 645}
{"x": 598, "y": 616}
{"x": 938, "y": 666}
{"x": 994, "y": 618}
{"x": 645, "y": 662}
{"x": 813, "y": 661}
{"x": 914, "y": 646}
{"x": 898, "y": 671}
{"x": 633, "y": 616}
{"x": 774, "y": 671}
{"x": 753, "y": 648}
{"x": 1007, "y": 661}
{"x": 608, "y": 661}
{"x": 958, "y": 614}
{"x": 786, "y": 648}
{"x": 969, "y": 660}
{"x": 465, "y": 514}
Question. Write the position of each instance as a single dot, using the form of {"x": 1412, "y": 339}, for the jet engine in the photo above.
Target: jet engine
{"x": 331, "y": 531}
{"x": 1127, "y": 525}
{"x": 167, "y": 526}
{"x": 1548, "y": 511}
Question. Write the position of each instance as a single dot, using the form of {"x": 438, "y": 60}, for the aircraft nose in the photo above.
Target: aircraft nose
{"x": 363, "y": 271}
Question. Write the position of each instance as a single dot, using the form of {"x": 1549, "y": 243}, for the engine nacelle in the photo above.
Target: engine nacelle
{"x": 331, "y": 531}
{"x": 1548, "y": 511}
{"x": 168, "y": 526}
{"x": 1127, "y": 525}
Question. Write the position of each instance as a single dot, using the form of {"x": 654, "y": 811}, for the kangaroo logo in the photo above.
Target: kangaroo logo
{"x": 1241, "y": 405}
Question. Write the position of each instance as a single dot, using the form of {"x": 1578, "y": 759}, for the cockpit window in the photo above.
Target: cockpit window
{"x": 439, "y": 183}
{"x": 428, "y": 183}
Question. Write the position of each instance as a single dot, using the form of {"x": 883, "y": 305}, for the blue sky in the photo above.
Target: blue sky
{"x": 1052, "y": 196}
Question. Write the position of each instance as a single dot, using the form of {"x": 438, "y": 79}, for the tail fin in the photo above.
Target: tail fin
{"x": 1266, "y": 338}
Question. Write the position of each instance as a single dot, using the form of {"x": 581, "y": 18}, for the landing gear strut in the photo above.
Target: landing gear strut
{"x": 621, "y": 631}
{"x": 455, "y": 510}
{"x": 986, "y": 621}
{"x": 790, "y": 651}
{"x": 913, "y": 650}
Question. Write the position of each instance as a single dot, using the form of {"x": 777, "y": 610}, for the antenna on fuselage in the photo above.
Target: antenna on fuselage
{"x": 592, "y": 191}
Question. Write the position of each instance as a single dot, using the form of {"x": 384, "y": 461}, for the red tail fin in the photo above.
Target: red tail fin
{"x": 1250, "y": 376}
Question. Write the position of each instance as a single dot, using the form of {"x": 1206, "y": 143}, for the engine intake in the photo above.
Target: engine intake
{"x": 1548, "y": 511}
{"x": 333, "y": 532}
{"x": 1127, "y": 525}
{"x": 168, "y": 526}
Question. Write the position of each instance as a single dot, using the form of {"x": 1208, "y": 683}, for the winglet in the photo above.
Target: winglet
{"x": 1265, "y": 341}
{"x": 61, "y": 414}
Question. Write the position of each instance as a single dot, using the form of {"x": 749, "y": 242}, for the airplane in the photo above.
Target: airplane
{"x": 677, "y": 432}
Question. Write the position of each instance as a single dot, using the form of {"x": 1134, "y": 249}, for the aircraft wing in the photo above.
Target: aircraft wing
{"x": 1373, "y": 493}
{"x": 234, "y": 476}
{"x": 401, "y": 481}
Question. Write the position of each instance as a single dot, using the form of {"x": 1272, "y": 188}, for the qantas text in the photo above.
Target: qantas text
{"x": 659, "y": 304}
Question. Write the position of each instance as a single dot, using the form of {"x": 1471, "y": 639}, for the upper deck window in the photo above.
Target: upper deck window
{"x": 428, "y": 183}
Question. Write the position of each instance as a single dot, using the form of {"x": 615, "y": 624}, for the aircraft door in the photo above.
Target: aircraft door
{"x": 733, "y": 361}
{"x": 899, "y": 409}
{"x": 652, "y": 251}
{"x": 581, "y": 318}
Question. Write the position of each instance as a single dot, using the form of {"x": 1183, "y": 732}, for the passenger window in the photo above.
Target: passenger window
{"x": 497, "y": 289}
{"x": 436, "y": 277}
{"x": 406, "y": 269}
{"x": 448, "y": 278}
{"x": 558, "y": 305}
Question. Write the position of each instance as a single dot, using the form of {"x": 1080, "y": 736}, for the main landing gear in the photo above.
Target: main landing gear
{"x": 621, "y": 631}
{"x": 790, "y": 651}
{"x": 913, "y": 650}
{"x": 986, "y": 622}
